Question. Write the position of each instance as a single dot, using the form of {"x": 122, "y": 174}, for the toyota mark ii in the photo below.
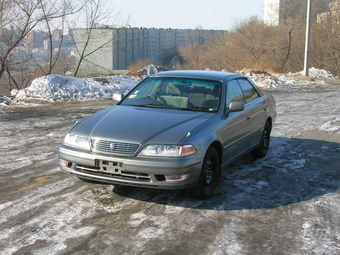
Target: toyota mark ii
{"x": 173, "y": 130}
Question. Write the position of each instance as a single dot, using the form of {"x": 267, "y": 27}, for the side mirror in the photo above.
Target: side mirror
{"x": 235, "y": 106}
{"x": 117, "y": 97}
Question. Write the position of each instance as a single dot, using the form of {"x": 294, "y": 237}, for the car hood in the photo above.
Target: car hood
{"x": 141, "y": 125}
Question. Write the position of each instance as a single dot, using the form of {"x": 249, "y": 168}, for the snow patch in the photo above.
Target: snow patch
{"x": 317, "y": 74}
{"x": 60, "y": 88}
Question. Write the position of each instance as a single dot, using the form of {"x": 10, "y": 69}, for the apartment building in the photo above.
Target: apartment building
{"x": 276, "y": 11}
{"x": 117, "y": 48}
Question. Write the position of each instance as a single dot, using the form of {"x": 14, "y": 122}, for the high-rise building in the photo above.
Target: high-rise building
{"x": 118, "y": 48}
{"x": 276, "y": 11}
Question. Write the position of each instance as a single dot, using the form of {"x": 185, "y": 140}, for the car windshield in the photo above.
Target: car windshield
{"x": 176, "y": 93}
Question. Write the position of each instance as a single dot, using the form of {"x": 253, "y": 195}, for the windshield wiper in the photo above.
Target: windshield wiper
{"x": 155, "y": 105}
{"x": 197, "y": 108}
{"x": 149, "y": 105}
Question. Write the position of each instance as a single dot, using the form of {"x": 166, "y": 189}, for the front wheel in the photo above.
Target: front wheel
{"x": 262, "y": 150}
{"x": 209, "y": 175}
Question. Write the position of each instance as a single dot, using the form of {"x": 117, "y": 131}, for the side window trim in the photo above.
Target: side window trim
{"x": 248, "y": 97}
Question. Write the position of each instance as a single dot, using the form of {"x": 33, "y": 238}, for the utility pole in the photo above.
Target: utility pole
{"x": 308, "y": 37}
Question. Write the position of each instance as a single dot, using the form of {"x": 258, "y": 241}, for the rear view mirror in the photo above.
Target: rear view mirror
{"x": 235, "y": 106}
{"x": 117, "y": 97}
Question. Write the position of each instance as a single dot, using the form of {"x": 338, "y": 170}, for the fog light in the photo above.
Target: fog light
{"x": 176, "y": 178}
{"x": 65, "y": 163}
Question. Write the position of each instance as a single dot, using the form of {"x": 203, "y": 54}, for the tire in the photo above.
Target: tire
{"x": 209, "y": 176}
{"x": 262, "y": 150}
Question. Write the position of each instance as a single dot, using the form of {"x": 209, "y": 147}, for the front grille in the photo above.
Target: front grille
{"x": 123, "y": 175}
{"x": 113, "y": 148}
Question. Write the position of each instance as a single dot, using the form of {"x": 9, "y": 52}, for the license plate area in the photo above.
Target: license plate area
{"x": 110, "y": 167}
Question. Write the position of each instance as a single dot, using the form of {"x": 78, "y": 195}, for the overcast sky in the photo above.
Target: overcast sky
{"x": 183, "y": 14}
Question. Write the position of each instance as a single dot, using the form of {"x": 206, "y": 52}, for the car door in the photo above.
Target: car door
{"x": 256, "y": 111}
{"x": 236, "y": 130}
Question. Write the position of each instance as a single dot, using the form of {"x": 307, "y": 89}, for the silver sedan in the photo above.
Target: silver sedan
{"x": 174, "y": 130}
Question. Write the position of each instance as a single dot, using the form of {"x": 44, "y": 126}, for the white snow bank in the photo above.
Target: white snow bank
{"x": 58, "y": 88}
{"x": 272, "y": 80}
{"x": 317, "y": 74}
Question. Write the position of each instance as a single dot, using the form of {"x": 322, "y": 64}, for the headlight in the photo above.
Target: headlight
{"x": 77, "y": 140}
{"x": 168, "y": 150}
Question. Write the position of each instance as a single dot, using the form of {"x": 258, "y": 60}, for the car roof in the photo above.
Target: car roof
{"x": 201, "y": 74}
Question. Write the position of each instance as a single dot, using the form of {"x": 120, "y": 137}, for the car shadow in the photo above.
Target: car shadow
{"x": 295, "y": 170}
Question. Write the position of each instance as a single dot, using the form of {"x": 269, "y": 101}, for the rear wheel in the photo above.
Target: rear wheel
{"x": 209, "y": 175}
{"x": 262, "y": 150}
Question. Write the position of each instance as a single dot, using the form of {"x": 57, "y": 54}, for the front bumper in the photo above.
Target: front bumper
{"x": 151, "y": 172}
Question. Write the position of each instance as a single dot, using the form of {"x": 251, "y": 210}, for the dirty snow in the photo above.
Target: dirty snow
{"x": 60, "y": 88}
{"x": 57, "y": 87}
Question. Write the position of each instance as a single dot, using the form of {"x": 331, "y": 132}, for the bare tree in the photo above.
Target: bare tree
{"x": 326, "y": 40}
{"x": 192, "y": 53}
{"x": 18, "y": 19}
{"x": 248, "y": 41}
{"x": 277, "y": 47}
{"x": 54, "y": 27}
{"x": 21, "y": 20}
{"x": 218, "y": 54}
{"x": 293, "y": 18}
{"x": 96, "y": 35}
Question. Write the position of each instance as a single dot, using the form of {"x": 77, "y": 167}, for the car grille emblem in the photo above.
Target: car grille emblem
{"x": 112, "y": 146}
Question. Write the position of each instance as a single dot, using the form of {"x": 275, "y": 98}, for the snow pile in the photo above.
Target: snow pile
{"x": 318, "y": 74}
{"x": 57, "y": 87}
{"x": 5, "y": 100}
{"x": 151, "y": 69}
{"x": 268, "y": 80}
{"x": 272, "y": 81}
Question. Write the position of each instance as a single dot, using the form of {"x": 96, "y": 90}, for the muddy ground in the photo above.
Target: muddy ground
{"x": 287, "y": 203}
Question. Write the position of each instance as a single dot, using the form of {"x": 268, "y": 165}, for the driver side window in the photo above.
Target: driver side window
{"x": 234, "y": 92}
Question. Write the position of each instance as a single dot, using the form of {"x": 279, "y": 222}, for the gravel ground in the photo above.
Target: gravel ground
{"x": 286, "y": 203}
